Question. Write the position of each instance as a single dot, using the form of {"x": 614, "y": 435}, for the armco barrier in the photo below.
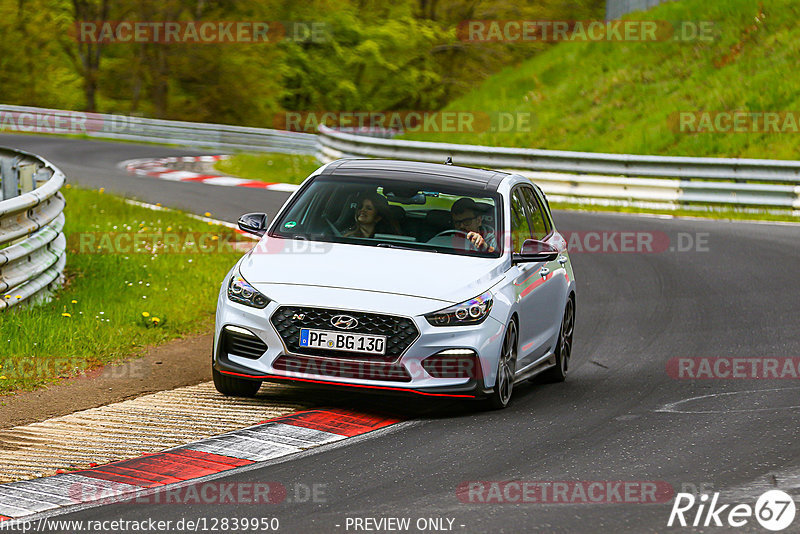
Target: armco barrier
{"x": 577, "y": 177}
{"x": 618, "y": 179}
{"x": 32, "y": 245}
{"x": 131, "y": 128}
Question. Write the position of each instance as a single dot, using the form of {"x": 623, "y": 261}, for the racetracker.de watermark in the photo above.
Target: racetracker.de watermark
{"x": 200, "y": 32}
{"x": 529, "y": 31}
{"x": 407, "y": 121}
{"x": 634, "y": 242}
{"x": 565, "y": 492}
{"x": 734, "y": 368}
{"x": 161, "y": 242}
{"x": 205, "y": 493}
{"x": 68, "y": 122}
{"x": 19, "y": 367}
{"x": 726, "y": 122}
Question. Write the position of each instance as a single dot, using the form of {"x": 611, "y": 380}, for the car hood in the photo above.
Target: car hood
{"x": 445, "y": 277}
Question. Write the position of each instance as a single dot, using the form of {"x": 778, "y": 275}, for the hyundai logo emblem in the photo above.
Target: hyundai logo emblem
{"x": 345, "y": 322}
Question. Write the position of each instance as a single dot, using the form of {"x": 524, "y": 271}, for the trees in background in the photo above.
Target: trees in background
{"x": 376, "y": 55}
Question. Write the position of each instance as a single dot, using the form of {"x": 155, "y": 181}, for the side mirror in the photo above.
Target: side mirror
{"x": 535, "y": 251}
{"x": 253, "y": 223}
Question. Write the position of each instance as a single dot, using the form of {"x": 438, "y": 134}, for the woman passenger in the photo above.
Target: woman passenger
{"x": 373, "y": 214}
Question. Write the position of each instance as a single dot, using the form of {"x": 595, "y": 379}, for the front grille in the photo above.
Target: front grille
{"x": 400, "y": 332}
{"x": 342, "y": 369}
{"x": 237, "y": 344}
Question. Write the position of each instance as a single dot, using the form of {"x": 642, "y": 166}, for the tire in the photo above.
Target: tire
{"x": 558, "y": 373}
{"x": 504, "y": 384}
{"x": 235, "y": 387}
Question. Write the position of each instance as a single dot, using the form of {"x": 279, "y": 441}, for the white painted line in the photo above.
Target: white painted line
{"x": 153, "y": 207}
{"x": 672, "y": 407}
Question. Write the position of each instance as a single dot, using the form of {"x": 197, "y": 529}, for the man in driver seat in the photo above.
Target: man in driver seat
{"x": 466, "y": 215}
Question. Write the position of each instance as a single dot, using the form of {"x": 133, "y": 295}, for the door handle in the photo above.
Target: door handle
{"x": 562, "y": 260}
{"x": 544, "y": 272}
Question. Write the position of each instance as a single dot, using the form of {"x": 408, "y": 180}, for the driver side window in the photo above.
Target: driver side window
{"x": 520, "y": 229}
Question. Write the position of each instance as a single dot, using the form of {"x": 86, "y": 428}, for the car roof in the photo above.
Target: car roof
{"x": 404, "y": 171}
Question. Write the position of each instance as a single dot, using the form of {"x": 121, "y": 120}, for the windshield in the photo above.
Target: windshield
{"x": 409, "y": 214}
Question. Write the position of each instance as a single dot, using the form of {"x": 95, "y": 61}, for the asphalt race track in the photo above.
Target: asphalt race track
{"x": 619, "y": 416}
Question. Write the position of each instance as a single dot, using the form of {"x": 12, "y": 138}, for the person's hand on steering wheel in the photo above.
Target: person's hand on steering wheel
{"x": 459, "y": 233}
{"x": 477, "y": 240}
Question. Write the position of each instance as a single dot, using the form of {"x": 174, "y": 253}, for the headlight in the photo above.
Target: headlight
{"x": 472, "y": 311}
{"x": 240, "y": 290}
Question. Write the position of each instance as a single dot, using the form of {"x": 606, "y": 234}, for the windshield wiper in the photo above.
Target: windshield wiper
{"x": 399, "y": 247}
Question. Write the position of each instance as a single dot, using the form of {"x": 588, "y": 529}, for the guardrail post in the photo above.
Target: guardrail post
{"x": 40, "y": 176}
{"x": 26, "y": 180}
{"x": 10, "y": 178}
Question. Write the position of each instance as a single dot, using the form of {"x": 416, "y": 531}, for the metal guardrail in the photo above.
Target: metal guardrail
{"x": 130, "y": 128}
{"x": 596, "y": 178}
{"x": 618, "y": 8}
{"x": 32, "y": 245}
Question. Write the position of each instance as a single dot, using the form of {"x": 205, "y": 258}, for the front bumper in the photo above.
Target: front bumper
{"x": 484, "y": 339}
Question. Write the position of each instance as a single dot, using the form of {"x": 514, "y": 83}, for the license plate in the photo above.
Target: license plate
{"x": 326, "y": 339}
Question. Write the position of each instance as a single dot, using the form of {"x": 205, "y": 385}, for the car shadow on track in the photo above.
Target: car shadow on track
{"x": 405, "y": 407}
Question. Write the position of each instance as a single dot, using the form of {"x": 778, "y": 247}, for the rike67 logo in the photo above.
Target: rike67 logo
{"x": 774, "y": 510}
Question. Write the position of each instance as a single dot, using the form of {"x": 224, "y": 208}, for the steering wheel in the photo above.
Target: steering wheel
{"x": 462, "y": 234}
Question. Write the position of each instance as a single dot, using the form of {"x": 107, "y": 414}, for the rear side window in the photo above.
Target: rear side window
{"x": 538, "y": 221}
{"x": 520, "y": 229}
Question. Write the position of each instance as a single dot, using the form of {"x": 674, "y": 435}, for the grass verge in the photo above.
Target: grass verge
{"x": 270, "y": 168}
{"x": 135, "y": 278}
{"x": 626, "y": 96}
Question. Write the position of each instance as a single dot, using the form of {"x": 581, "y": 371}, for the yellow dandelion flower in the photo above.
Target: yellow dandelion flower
{"x": 74, "y": 301}
{"x": 101, "y": 190}
{"x": 66, "y": 315}
{"x": 145, "y": 314}
{"x": 3, "y": 377}
{"x": 207, "y": 214}
{"x": 156, "y": 320}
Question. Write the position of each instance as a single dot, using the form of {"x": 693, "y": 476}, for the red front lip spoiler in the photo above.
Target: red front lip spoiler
{"x": 329, "y": 383}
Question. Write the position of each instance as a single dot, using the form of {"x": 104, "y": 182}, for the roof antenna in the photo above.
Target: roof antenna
{"x": 448, "y": 161}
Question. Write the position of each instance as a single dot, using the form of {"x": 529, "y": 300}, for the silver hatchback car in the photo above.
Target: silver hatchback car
{"x": 400, "y": 277}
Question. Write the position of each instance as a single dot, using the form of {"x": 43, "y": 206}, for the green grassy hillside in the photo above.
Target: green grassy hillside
{"x": 624, "y": 97}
